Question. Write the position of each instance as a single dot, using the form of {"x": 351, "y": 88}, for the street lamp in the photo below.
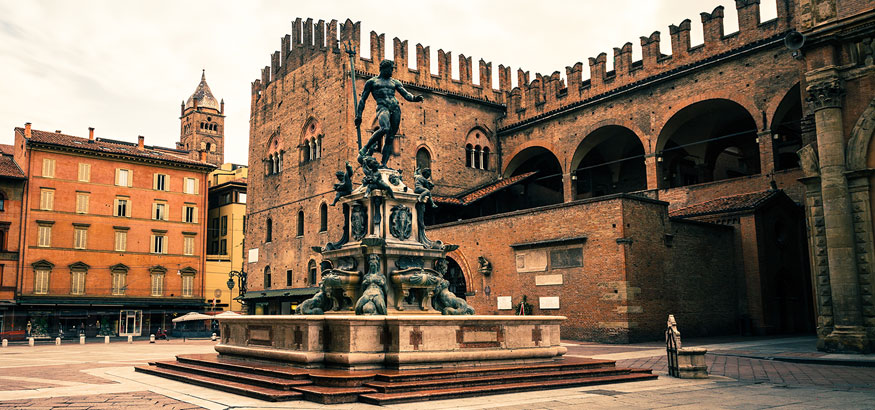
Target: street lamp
{"x": 241, "y": 282}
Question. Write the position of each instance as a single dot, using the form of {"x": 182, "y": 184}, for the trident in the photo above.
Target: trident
{"x": 355, "y": 103}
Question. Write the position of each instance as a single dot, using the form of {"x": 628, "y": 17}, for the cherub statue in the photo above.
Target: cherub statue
{"x": 447, "y": 303}
{"x": 423, "y": 185}
{"x": 344, "y": 185}
{"x": 372, "y": 179}
{"x": 317, "y": 305}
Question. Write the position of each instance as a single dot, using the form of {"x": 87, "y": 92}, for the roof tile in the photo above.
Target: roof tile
{"x": 733, "y": 203}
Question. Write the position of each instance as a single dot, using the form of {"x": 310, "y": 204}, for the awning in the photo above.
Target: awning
{"x": 228, "y": 314}
{"x": 293, "y": 293}
{"x": 192, "y": 316}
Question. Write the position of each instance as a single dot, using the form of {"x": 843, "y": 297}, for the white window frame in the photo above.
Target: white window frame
{"x": 117, "y": 203}
{"x": 48, "y": 168}
{"x": 159, "y": 211}
{"x": 157, "y": 281}
{"x": 190, "y": 186}
{"x": 119, "y": 279}
{"x": 80, "y": 237}
{"x": 82, "y": 199}
{"x": 44, "y": 236}
{"x": 84, "y": 172}
{"x": 46, "y": 199}
{"x": 77, "y": 282}
{"x": 185, "y": 214}
{"x": 160, "y": 182}
{"x": 158, "y": 244}
{"x": 188, "y": 245}
{"x": 121, "y": 241}
{"x": 187, "y": 286}
{"x": 41, "y": 279}
{"x": 124, "y": 177}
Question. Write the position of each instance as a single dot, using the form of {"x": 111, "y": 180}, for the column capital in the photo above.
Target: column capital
{"x": 825, "y": 93}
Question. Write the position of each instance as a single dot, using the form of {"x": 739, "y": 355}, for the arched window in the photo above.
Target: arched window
{"x": 423, "y": 158}
{"x": 2, "y": 202}
{"x": 477, "y": 156}
{"x": 312, "y": 273}
{"x": 469, "y": 155}
{"x": 323, "y": 217}
{"x": 305, "y": 152}
{"x": 267, "y": 278}
{"x": 300, "y": 223}
{"x": 311, "y": 140}
{"x": 268, "y": 230}
{"x": 485, "y": 161}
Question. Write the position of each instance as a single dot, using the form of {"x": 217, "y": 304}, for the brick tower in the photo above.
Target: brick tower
{"x": 202, "y": 124}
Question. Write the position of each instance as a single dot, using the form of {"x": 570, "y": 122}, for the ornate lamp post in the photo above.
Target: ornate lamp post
{"x": 241, "y": 282}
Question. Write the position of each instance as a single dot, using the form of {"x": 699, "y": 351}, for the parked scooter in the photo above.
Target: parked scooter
{"x": 161, "y": 334}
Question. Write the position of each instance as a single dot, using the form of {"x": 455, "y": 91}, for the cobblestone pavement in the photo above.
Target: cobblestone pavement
{"x": 98, "y": 376}
{"x": 139, "y": 400}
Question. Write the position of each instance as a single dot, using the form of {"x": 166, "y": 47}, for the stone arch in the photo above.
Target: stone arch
{"x": 786, "y": 129}
{"x": 685, "y": 103}
{"x": 423, "y": 156}
{"x": 512, "y": 162}
{"x": 710, "y": 140}
{"x": 544, "y": 187}
{"x": 462, "y": 261}
{"x": 609, "y": 159}
{"x": 861, "y": 137}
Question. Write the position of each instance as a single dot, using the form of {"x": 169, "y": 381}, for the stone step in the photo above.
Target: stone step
{"x": 213, "y": 360}
{"x": 571, "y": 363}
{"x": 483, "y": 380}
{"x": 333, "y": 395}
{"x": 471, "y": 391}
{"x": 245, "y": 377}
{"x": 262, "y": 393}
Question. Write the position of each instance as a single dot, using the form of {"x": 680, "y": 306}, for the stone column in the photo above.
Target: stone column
{"x": 825, "y": 93}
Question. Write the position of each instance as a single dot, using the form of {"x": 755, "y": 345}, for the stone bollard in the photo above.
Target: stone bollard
{"x": 5, "y": 343}
{"x": 81, "y": 339}
{"x": 106, "y": 339}
{"x": 57, "y": 341}
{"x": 30, "y": 341}
{"x": 691, "y": 363}
{"x": 151, "y": 338}
{"x": 213, "y": 337}
{"x": 130, "y": 339}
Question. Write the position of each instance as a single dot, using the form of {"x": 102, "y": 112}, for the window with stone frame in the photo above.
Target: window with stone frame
{"x": 78, "y": 273}
{"x": 267, "y": 278}
{"x": 160, "y": 182}
{"x": 188, "y": 245}
{"x": 159, "y": 211}
{"x": 159, "y": 242}
{"x": 48, "y": 168}
{"x": 46, "y": 199}
{"x": 188, "y": 275}
{"x": 189, "y": 213}
{"x": 157, "y": 280}
{"x": 478, "y": 148}
{"x": 44, "y": 234}
{"x": 312, "y": 273}
{"x": 124, "y": 177}
{"x": 80, "y": 236}
{"x": 41, "y": 281}
{"x": 84, "y": 172}
{"x": 121, "y": 240}
{"x": 190, "y": 186}
{"x": 119, "y": 281}
{"x": 122, "y": 207}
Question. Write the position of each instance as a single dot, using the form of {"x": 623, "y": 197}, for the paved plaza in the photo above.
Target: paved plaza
{"x": 784, "y": 373}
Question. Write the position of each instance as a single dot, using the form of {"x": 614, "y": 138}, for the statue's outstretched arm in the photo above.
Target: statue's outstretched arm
{"x": 361, "y": 107}
{"x": 406, "y": 94}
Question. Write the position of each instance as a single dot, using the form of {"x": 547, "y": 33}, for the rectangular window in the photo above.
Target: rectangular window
{"x": 80, "y": 238}
{"x": 159, "y": 211}
{"x": 160, "y": 182}
{"x": 48, "y": 168}
{"x": 44, "y": 235}
{"x": 223, "y": 247}
{"x": 118, "y": 283}
{"x": 84, "y": 172}
{"x": 241, "y": 198}
{"x": 288, "y": 278}
{"x": 190, "y": 186}
{"x": 82, "y": 202}
{"x": 189, "y": 214}
{"x": 187, "y": 285}
{"x": 122, "y": 207}
{"x": 214, "y": 247}
{"x": 159, "y": 244}
{"x": 121, "y": 241}
{"x": 41, "y": 281}
{"x": 46, "y": 199}
{"x": 224, "y": 229}
{"x": 77, "y": 283}
{"x": 124, "y": 177}
{"x": 188, "y": 245}
{"x": 157, "y": 284}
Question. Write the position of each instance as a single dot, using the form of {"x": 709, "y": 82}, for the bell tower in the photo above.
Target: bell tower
{"x": 202, "y": 125}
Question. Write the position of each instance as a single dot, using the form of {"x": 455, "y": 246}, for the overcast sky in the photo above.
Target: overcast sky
{"x": 123, "y": 67}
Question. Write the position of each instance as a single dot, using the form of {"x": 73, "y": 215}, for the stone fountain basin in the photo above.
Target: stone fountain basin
{"x": 394, "y": 342}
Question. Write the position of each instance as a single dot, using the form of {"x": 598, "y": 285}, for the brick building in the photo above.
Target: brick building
{"x": 666, "y": 185}
{"x": 12, "y": 181}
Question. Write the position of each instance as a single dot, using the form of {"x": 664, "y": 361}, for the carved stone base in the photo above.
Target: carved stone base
{"x": 846, "y": 339}
{"x": 691, "y": 363}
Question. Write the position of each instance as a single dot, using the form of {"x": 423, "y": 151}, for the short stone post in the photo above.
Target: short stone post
{"x": 683, "y": 362}
{"x": 5, "y": 343}
{"x": 213, "y": 337}
{"x": 57, "y": 341}
{"x": 81, "y": 339}
{"x": 151, "y": 338}
{"x": 130, "y": 339}
{"x": 106, "y": 339}
{"x": 30, "y": 341}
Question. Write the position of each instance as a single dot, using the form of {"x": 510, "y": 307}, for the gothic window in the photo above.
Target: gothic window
{"x": 311, "y": 141}
{"x": 274, "y": 161}
{"x": 2, "y": 202}
{"x": 469, "y": 155}
{"x": 478, "y": 146}
{"x": 478, "y": 152}
{"x": 323, "y": 217}
{"x": 485, "y": 161}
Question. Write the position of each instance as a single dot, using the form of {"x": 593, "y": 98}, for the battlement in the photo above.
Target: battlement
{"x": 310, "y": 40}
{"x": 543, "y": 95}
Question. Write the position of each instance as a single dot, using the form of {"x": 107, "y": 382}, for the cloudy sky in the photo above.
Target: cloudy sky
{"x": 123, "y": 67}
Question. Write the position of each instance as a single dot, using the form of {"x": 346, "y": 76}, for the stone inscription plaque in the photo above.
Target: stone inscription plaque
{"x": 534, "y": 260}
{"x": 259, "y": 335}
{"x": 504, "y": 303}
{"x": 566, "y": 258}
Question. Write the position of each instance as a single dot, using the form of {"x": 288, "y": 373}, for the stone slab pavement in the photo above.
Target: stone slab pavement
{"x": 97, "y": 376}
